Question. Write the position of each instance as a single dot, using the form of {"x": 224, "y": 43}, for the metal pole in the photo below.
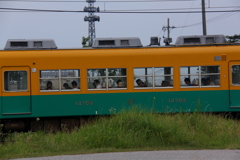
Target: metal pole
{"x": 204, "y": 18}
{"x": 168, "y": 27}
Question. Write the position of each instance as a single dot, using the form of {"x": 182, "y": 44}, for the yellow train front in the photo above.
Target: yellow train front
{"x": 44, "y": 87}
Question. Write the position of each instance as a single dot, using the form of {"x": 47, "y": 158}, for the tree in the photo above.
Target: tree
{"x": 86, "y": 42}
{"x": 233, "y": 39}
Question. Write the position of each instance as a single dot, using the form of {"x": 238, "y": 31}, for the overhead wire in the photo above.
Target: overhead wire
{"x": 186, "y": 19}
{"x": 219, "y": 17}
{"x": 44, "y": 10}
{"x": 97, "y": 1}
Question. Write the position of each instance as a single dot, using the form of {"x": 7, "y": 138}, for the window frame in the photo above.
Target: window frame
{"x": 15, "y": 90}
{"x": 60, "y": 80}
{"x": 106, "y": 77}
{"x": 232, "y": 75}
{"x": 153, "y": 78}
{"x": 200, "y": 77}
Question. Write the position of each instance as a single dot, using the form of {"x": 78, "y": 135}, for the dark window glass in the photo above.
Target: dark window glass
{"x": 125, "y": 42}
{"x": 106, "y": 42}
{"x": 192, "y": 40}
{"x": 37, "y": 44}
{"x": 15, "y": 81}
{"x": 19, "y": 44}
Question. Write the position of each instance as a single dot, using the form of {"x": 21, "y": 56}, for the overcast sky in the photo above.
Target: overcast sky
{"x": 67, "y": 28}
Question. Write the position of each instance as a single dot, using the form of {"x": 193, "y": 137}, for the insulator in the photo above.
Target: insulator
{"x": 91, "y": 9}
{"x": 93, "y": 18}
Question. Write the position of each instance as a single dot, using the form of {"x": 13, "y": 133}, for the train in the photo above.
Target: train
{"x": 43, "y": 87}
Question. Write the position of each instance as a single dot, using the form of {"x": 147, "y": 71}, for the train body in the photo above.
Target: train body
{"x": 164, "y": 71}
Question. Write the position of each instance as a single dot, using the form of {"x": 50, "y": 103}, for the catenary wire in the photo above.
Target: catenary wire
{"x": 43, "y": 10}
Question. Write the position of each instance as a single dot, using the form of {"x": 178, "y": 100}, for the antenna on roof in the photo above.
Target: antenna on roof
{"x": 167, "y": 40}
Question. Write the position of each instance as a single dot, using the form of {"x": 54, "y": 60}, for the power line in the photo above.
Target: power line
{"x": 97, "y": 1}
{"x": 43, "y": 10}
{"x": 222, "y": 16}
{"x": 175, "y": 9}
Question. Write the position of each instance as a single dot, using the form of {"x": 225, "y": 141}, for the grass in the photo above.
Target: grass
{"x": 131, "y": 130}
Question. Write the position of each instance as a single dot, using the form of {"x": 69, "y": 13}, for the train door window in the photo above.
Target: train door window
{"x": 143, "y": 78}
{"x": 236, "y": 74}
{"x": 15, "y": 81}
{"x": 96, "y": 79}
{"x": 189, "y": 76}
{"x": 210, "y": 76}
{"x": 163, "y": 77}
{"x": 49, "y": 80}
{"x": 70, "y": 80}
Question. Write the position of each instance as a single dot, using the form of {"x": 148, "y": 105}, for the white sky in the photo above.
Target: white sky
{"x": 67, "y": 29}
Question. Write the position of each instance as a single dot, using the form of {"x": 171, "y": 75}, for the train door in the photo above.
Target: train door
{"x": 16, "y": 91}
{"x": 234, "y": 84}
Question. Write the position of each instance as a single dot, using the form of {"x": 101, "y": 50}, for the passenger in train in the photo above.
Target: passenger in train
{"x": 203, "y": 80}
{"x": 74, "y": 85}
{"x": 164, "y": 84}
{"x": 120, "y": 84}
{"x": 97, "y": 84}
{"x": 66, "y": 86}
{"x": 49, "y": 85}
{"x": 209, "y": 82}
{"x": 140, "y": 83}
{"x": 188, "y": 82}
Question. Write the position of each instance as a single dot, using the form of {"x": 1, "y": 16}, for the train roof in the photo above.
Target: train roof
{"x": 30, "y": 44}
{"x": 120, "y": 42}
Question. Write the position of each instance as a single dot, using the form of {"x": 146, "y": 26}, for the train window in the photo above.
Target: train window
{"x": 113, "y": 78}
{"x": 200, "y": 76}
{"x": 70, "y": 79}
{"x": 189, "y": 76}
{"x": 143, "y": 78}
{"x": 210, "y": 76}
{"x": 153, "y": 77}
{"x": 163, "y": 77}
{"x": 60, "y": 80}
{"x": 15, "y": 81}
{"x": 236, "y": 74}
{"x": 117, "y": 78}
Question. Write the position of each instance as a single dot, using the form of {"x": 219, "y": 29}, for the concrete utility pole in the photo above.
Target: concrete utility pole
{"x": 168, "y": 40}
{"x": 91, "y": 18}
{"x": 204, "y": 18}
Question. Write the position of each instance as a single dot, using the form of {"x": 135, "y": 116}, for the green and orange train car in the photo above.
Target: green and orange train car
{"x": 58, "y": 86}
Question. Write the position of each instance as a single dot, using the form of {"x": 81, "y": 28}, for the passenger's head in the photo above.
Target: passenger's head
{"x": 164, "y": 83}
{"x": 49, "y": 85}
{"x": 140, "y": 83}
{"x": 120, "y": 83}
{"x": 187, "y": 80}
{"x": 95, "y": 82}
{"x": 208, "y": 81}
{"x": 65, "y": 85}
{"x": 74, "y": 84}
{"x": 203, "y": 80}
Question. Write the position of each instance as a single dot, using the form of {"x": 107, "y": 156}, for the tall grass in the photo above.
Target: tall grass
{"x": 133, "y": 129}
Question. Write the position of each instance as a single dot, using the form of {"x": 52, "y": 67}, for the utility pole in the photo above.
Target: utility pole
{"x": 167, "y": 40}
{"x": 91, "y": 18}
{"x": 204, "y": 18}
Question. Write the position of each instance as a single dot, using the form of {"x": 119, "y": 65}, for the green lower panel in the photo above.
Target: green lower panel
{"x": 96, "y": 104}
{"x": 16, "y": 104}
{"x": 235, "y": 98}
